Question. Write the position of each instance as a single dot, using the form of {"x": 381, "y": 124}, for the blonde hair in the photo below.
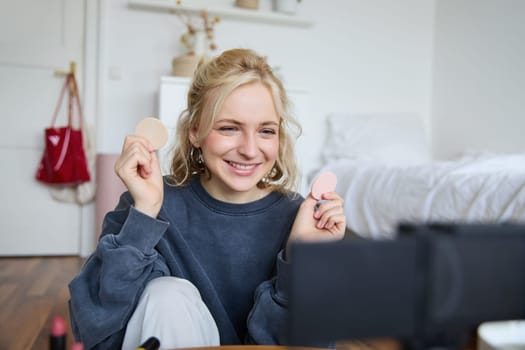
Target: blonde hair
{"x": 212, "y": 83}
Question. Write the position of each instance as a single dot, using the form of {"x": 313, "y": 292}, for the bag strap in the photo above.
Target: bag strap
{"x": 86, "y": 133}
{"x": 70, "y": 83}
{"x": 74, "y": 88}
{"x": 57, "y": 108}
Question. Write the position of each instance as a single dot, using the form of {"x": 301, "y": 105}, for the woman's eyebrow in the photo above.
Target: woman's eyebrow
{"x": 233, "y": 121}
{"x": 236, "y": 122}
{"x": 270, "y": 122}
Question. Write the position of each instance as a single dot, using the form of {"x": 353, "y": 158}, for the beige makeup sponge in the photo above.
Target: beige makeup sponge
{"x": 153, "y": 130}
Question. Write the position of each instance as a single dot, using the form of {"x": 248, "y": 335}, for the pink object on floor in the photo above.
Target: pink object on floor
{"x": 58, "y": 326}
{"x": 77, "y": 346}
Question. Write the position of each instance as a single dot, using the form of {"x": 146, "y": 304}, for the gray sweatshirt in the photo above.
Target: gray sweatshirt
{"x": 231, "y": 252}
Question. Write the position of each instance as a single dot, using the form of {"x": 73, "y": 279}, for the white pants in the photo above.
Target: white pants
{"x": 172, "y": 310}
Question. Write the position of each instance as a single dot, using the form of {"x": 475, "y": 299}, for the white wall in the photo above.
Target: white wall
{"x": 359, "y": 56}
{"x": 479, "y": 77}
{"x": 456, "y": 63}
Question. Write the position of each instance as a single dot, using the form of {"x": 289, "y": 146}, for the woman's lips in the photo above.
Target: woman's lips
{"x": 243, "y": 168}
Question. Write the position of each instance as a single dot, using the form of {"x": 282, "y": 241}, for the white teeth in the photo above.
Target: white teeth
{"x": 241, "y": 166}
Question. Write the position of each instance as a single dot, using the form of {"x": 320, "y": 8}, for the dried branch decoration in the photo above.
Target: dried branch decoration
{"x": 204, "y": 25}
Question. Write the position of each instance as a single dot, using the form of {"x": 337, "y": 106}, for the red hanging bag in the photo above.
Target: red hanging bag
{"x": 64, "y": 159}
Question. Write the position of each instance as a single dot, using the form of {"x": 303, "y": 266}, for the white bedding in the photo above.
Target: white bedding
{"x": 482, "y": 188}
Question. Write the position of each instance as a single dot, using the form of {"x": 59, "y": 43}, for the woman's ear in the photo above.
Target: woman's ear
{"x": 193, "y": 135}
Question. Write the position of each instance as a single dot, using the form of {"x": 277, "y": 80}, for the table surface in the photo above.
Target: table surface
{"x": 371, "y": 344}
{"x": 252, "y": 347}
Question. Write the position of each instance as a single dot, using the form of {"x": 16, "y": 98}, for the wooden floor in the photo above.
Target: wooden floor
{"x": 32, "y": 292}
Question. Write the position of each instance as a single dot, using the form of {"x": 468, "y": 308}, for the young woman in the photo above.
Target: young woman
{"x": 199, "y": 257}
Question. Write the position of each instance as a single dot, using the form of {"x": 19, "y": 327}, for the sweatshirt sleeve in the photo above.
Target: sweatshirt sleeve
{"x": 267, "y": 321}
{"x": 106, "y": 291}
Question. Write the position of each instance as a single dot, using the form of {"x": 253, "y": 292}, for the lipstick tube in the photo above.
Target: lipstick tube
{"x": 57, "y": 339}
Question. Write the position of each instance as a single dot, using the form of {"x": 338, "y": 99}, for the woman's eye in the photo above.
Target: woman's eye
{"x": 227, "y": 128}
{"x": 269, "y": 131}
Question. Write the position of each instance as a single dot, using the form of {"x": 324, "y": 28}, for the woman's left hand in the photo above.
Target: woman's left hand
{"x": 325, "y": 223}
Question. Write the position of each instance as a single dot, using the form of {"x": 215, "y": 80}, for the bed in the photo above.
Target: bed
{"x": 386, "y": 176}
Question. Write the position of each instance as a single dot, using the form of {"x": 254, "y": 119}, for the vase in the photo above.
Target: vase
{"x": 286, "y": 6}
{"x": 184, "y": 66}
{"x": 247, "y": 4}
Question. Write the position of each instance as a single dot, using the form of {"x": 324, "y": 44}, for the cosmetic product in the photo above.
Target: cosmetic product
{"x": 153, "y": 130}
{"x": 323, "y": 183}
{"x": 151, "y": 344}
{"x": 57, "y": 339}
{"x": 77, "y": 346}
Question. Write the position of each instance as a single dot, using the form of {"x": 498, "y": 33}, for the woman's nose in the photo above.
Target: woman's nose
{"x": 248, "y": 146}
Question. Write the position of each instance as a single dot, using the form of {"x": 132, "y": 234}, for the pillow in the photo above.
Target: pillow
{"x": 390, "y": 138}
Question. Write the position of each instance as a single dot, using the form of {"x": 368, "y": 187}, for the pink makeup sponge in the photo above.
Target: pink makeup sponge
{"x": 323, "y": 183}
{"x": 153, "y": 130}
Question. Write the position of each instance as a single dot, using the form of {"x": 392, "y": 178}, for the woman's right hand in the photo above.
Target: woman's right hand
{"x": 139, "y": 169}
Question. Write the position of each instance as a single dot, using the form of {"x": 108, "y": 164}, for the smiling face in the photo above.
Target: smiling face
{"x": 242, "y": 146}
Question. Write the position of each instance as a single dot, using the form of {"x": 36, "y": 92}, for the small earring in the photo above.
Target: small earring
{"x": 266, "y": 178}
{"x": 197, "y": 158}
{"x": 200, "y": 159}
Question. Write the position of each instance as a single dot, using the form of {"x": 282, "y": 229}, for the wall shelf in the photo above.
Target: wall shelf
{"x": 224, "y": 12}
